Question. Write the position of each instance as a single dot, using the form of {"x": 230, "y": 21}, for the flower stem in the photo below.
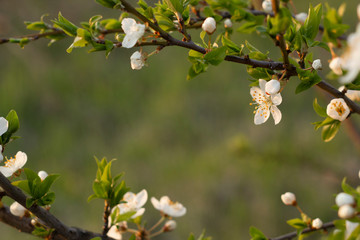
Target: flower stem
{"x": 157, "y": 233}
{"x": 157, "y": 224}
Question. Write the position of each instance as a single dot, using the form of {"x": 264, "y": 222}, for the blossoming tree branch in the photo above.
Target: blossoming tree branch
{"x": 150, "y": 29}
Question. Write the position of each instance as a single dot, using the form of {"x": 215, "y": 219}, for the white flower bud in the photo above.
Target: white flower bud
{"x": 209, "y": 25}
{"x": 272, "y": 87}
{"x": 42, "y": 175}
{"x": 338, "y": 109}
{"x": 288, "y": 198}
{"x": 228, "y": 23}
{"x": 316, "y": 223}
{"x": 335, "y": 66}
{"x": 17, "y": 209}
{"x": 344, "y": 199}
{"x": 301, "y": 17}
{"x": 346, "y": 211}
{"x": 267, "y": 6}
{"x": 169, "y": 226}
{"x": 317, "y": 64}
{"x": 137, "y": 60}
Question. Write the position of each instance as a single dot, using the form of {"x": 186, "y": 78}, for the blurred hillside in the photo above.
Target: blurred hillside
{"x": 192, "y": 140}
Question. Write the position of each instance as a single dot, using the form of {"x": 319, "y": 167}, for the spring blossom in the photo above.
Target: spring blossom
{"x": 14, "y": 164}
{"x": 338, "y": 109}
{"x": 134, "y": 31}
{"x": 168, "y": 207}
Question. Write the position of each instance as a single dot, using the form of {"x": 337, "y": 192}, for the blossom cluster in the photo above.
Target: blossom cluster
{"x": 133, "y": 203}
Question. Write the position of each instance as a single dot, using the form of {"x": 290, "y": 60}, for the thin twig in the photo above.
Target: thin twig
{"x": 292, "y": 235}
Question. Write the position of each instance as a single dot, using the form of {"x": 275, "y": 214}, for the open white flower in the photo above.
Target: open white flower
{"x": 338, "y": 109}
{"x": 42, "y": 175}
{"x": 272, "y": 87}
{"x": 301, "y": 17}
{"x": 134, "y": 202}
{"x": 351, "y": 58}
{"x": 335, "y": 65}
{"x": 209, "y": 25}
{"x": 267, "y": 6}
{"x": 137, "y": 60}
{"x": 317, "y": 64}
{"x": 266, "y": 103}
{"x": 227, "y": 23}
{"x": 4, "y": 125}
{"x": 17, "y": 209}
{"x": 134, "y": 31}
{"x": 14, "y": 164}
{"x": 168, "y": 207}
{"x": 114, "y": 232}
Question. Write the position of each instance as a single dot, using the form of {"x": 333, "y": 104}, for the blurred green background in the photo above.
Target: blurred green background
{"x": 192, "y": 140}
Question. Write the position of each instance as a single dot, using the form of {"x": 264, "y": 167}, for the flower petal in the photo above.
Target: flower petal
{"x": 126, "y": 24}
{"x": 21, "y": 159}
{"x": 276, "y": 99}
{"x": 156, "y": 203}
{"x": 262, "y": 84}
{"x": 141, "y": 198}
{"x": 138, "y": 213}
{"x": 114, "y": 233}
{"x": 4, "y": 125}
{"x": 275, "y": 112}
{"x": 6, "y": 171}
{"x": 262, "y": 114}
{"x": 257, "y": 95}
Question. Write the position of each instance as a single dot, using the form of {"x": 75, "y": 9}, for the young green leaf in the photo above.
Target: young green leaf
{"x": 321, "y": 111}
{"x": 329, "y": 131}
{"x": 216, "y": 56}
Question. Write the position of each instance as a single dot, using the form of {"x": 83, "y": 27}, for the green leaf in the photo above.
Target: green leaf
{"x": 47, "y": 199}
{"x": 41, "y": 231}
{"x": 216, "y": 56}
{"x": 91, "y": 197}
{"x": 281, "y": 22}
{"x": 36, "y": 26}
{"x": 256, "y": 234}
{"x": 23, "y": 185}
{"x": 175, "y": 5}
{"x": 124, "y": 217}
{"x": 308, "y": 79}
{"x": 321, "y": 111}
{"x": 347, "y": 188}
{"x": 99, "y": 190}
{"x": 106, "y": 3}
{"x": 30, "y": 202}
{"x": 311, "y": 25}
{"x": 68, "y": 27}
{"x": 297, "y": 223}
{"x": 46, "y": 183}
{"x": 329, "y": 131}
{"x": 14, "y": 125}
{"x": 232, "y": 47}
{"x": 260, "y": 73}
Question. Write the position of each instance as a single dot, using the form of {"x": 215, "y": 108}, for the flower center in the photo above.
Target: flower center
{"x": 10, "y": 162}
{"x": 339, "y": 108}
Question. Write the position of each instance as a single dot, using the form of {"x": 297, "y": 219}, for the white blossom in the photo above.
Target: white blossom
{"x": 169, "y": 226}
{"x": 335, "y": 65}
{"x": 209, "y": 25}
{"x": 346, "y": 211}
{"x": 272, "y": 87}
{"x": 351, "y": 58}
{"x": 266, "y": 103}
{"x": 338, "y": 109}
{"x": 114, "y": 232}
{"x": 17, "y": 209}
{"x": 137, "y": 60}
{"x": 353, "y": 95}
{"x": 316, "y": 223}
{"x": 228, "y": 23}
{"x": 134, "y": 31}
{"x": 42, "y": 175}
{"x": 350, "y": 227}
{"x": 168, "y": 207}
{"x": 317, "y": 64}
{"x": 134, "y": 202}
{"x": 288, "y": 198}
{"x": 4, "y": 125}
{"x": 344, "y": 199}
{"x": 267, "y": 6}
{"x": 301, "y": 17}
{"x": 14, "y": 164}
